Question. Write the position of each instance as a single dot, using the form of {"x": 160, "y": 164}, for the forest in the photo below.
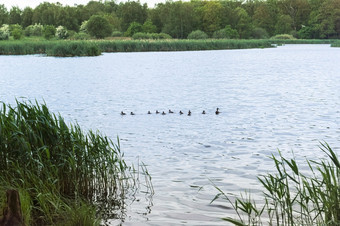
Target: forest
{"x": 234, "y": 19}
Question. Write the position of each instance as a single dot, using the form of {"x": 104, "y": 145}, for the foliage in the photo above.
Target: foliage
{"x": 62, "y": 173}
{"x": 148, "y": 27}
{"x": 259, "y": 33}
{"x": 49, "y": 31}
{"x": 227, "y": 32}
{"x": 198, "y": 34}
{"x": 133, "y": 29}
{"x": 283, "y": 36}
{"x": 117, "y": 34}
{"x": 99, "y": 27}
{"x": 81, "y": 36}
{"x": 4, "y": 32}
{"x": 292, "y": 197}
{"x": 61, "y": 32}
{"x": 141, "y": 35}
{"x": 34, "y": 30}
{"x": 16, "y": 31}
{"x": 83, "y": 27}
{"x": 70, "y": 49}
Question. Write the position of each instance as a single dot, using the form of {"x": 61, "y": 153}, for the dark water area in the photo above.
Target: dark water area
{"x": 283, "y": 98}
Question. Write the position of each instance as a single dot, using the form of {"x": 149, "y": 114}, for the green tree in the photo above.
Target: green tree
{"x": 4, "y": 16}
{"x": 26, "y": 17}
{"x": 131, "y": 12}
{"x": 15, "y": 15}
{"x": 99, "y": 27}
{"x": 243, "y": 26}
{"x": 148, "y": 27}
{"x": 212, "y": 18}
{"x": 198, "y": 34}
{"x": 284, "y": 24}
{"x": 134, "y": 28}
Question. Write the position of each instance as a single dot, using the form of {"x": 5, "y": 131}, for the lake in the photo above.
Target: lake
{"x": 283, "y": 98}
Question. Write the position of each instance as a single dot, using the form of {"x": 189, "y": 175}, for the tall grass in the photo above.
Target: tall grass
{"x": 56, "y": 166}
{"x": 179, "y": 45}
{"x": 292, "y": 197}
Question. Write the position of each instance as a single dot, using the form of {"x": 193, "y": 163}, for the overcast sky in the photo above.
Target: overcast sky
{"x": 33, "y": 3}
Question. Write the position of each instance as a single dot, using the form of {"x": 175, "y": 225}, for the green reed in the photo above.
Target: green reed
{"x": 292, "y": 197}
{"x": 54, "y": 162}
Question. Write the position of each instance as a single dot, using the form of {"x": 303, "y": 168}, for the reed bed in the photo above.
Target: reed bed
{"x": 179, "y": 45}
{"x": 302, "y": 41}
{"x": 292, "y": 197}
{"x": 59, "y": 169}
{"x": 335, "y": 44}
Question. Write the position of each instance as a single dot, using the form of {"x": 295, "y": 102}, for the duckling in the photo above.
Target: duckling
{"x": 163, "y": 113}
{"x": 203, "y": 112}
{"x": 189, "y": 113}
{"x": 157, "y": 112}
{"x": 170, "y": 112}
{"x": 217, "y": 111}
{"x": 131, "y": 113}
{"x": 149, "y": 113}
{"x": 122, "y": 113}
{"x": 180, "y": 112}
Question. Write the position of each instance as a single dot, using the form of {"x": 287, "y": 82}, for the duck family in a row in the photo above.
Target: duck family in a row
{"x": 171, "y": 112}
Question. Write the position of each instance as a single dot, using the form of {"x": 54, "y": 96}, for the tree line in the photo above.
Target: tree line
{"x": 308, "y": 19}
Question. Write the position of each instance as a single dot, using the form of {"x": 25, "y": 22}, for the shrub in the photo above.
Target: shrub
{"x": 117, "y": 34}
{"x": 83, "y": 27}
{"x": 259, "y": 33}
{"x": 155, "y": 36}
{"x": 4, "y": 32}
{"x": 133, "y": 29}
{"x": 49, "y": 31}
{"x": 226, "y": 33}
{"x": 34, "y": 30}
{"x": 198, "y": 34}
{"x": 99, "y": 27}
{"x": 81, "y": 36}
{"x": 16, "y": 31}
{"x": 61, "y": 32}
{"x": 283, "y": 36}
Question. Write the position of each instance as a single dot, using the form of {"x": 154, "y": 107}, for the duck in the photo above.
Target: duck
{"x": 203, "y": 112}
{"x": 180, "y": 112}
{"x": 122, "y": 113}
{"x": 163, "y": 113}
{"x": 170, "y": 112}
{"x": 131, "y": 113}
{"x": 157, "y": 112}
{"x": 217, "y": 111}
{"x": 189, "y": 113}
{"x": 149, "y": 113}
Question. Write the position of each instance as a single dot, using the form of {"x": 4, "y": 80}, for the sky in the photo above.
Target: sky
{"x": 33, "y": 3}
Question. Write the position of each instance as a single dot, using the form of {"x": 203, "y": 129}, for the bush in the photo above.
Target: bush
{"x": 149, "y": 27}
{"x": 49, "y": 31}
{"x": 155, "y": 36}
{"x": 61, "y": 32}
{"x": 226, "y": 33}
{"x": 83, "y": 27}
{"x": 34, "y": 30}
{"x": 99, "y": 27}
{"x": 81, "y": 36}
{"x": 283, "y": 36}
{"x": 259, "y": 33}
{"x": 198, "y": 34}
{"x": 16, "y": 31}
{"x": 117, "y": 34}
{"x": 4, "y": 32}
{"x": 133, "y": 29}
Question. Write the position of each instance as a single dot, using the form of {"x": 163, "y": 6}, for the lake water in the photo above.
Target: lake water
{"x": 283, "y": 98}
